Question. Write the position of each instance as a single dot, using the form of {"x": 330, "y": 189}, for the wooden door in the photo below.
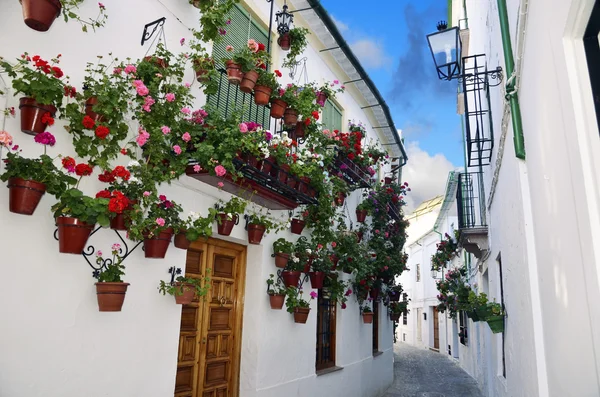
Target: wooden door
{"x": 210, "y": 336}
{"x": 436, "y": 329}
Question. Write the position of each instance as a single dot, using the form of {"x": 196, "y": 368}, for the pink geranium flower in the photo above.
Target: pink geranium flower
{"x": 5, "y": 138}
{"x": 186, "y": 110}
{"x": 165, "y": 130}
{"x": 142, "y": 138}
{"x": 220, "y": 170}
{"x": 220, "y": 185}
{"x": 197, "y": 168}
{"x": 160, "y": 221}
{"x": 129, "y": 69}
{"x": 243, "y": 127}
{"x": 186, "y": 137}
{"x": 170, "y": 97}
{"x": 146, "y": 193}
{"x": 177, "y": 149}
{"x": 313, "y": 294}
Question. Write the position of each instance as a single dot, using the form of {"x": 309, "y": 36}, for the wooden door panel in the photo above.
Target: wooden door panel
{"x": 220, "y": 319}
{"x": 184, "y": 381}
{"x": 189, "y": 318}
{"x": 217, "y": 373}
{"x": 187, "y": 348}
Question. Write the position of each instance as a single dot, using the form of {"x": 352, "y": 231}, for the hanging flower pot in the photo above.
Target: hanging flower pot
{"x": 374, "y": 293}
{"x": 224, "y": 225}
{"x": 200, "y": 69}
{"x": 292, "y": 182}
{"x": 297, "y": 226}
{"x": 276, "y": 301}
{"x": 111, "y": 296}
{"x": 234, "y": 72}
{"x": 248, "y": 81}
{"x": 359, "y": 237}
{"x": 334, "y": 259}
{"x": 267, "y": 165}
{"x": 157, "y": 246}
{"x": 278, "y": 108}
{"x": 188, "y": 294}
{"x": 121, "y": 221}
{"x": 367, "y": 318}
{"x": 262, "y": 95}
{"x": 290, "y": 278}
{"x": 32, "y": 115}
{"x": 24, "y": 196}
{"x": 290, "y": 116}
{"x": 394, "y": 296}
{"x": 89, "y": 104}
{"x": 283, "y": 173}
{"x": 299, "y": 131}
{"x": 304, "y": 184}
{"x": 361, "y": 215}
{"x": 496, "y": 323}
{"x": 160, "y": 62}
{"x": 281, "y": 259}
{"x": 322, "y": 98}
{"x": 40, "y": 14}
{"x": 316, "y": 279}
{"x": 285, "y": 41}
{"x": 301, "y": 314}
{"x": 388, "y": 180}
{"x": 181, "y": 241}
{"x": 395, "y": 317}
{"x": 72, "y": 234}
{"x": 255, "y": 233}
{"x": 340, "y": 197}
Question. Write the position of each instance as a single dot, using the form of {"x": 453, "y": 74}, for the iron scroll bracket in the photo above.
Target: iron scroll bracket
{"x": 147, "y": 34}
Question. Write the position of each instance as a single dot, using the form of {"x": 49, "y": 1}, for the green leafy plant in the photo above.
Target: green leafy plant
{"x": 298, "y": 43}
{"x": 113, "y": 268}
{"x": 338, "y": 290}
{"x": 153, "y": 216}
{"x": 235, "y": 206}
{"x": 213, "y": 18}
{"x": 196, "y": 226}
{"x": 268, "y": 79}
{"x": 275, "y": 286}
{"x": 258, "y": 218}
{"x": 281, "y": 245}
{"x": 329, "y": 90}
{"x": 295, "y": 299}
{"x": 73, "y": 203}
{"x": 69, "y": 11}
{"x": 181, "y": 284}
{"x": 446, "y": 251}
{"x": 37, "y": 78}
{"x": 252, "y": 56}
{"x": 366, "y": 309}
{"x": 203, "y": 64}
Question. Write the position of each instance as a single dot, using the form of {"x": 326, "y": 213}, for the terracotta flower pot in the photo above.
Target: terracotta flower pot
{"x": 297, "y": 226}
{"x": 89, "y": 104}
{"x": 248, "y": 81}
{"x": 340, "y": 197}
{"x": 187, "y": 297}
{"x": 111, "y": 296}
{"x": 281, "y": 259}
{"x": 311, "y": 192}
{"x": 285, "y": 41}
{"x": 359, "y": 236}
{"x": 361, "y": 215}
{"x": 395, "y": 316}
{"x": 278, "y": 108}
{"x": 181, "y": 241}
{"x": 290, "y": 278}
{"x": 255, "y": 233}
{"x": 121, "y": 221}
{"x": 224, "y": 225}
{"x": 387, "y": 180}
{"x": 198, "y": 3}
{"x": 157, "y": 246}
{"x": 367, "y": 318}
{"x": 322, "y": 98}
{"x": 374, "y": 293}
{"x": 251, "y": 160}
{"x": 394, "y": 296}
{"x": 316, "y": 279}
{"x": 72, "y": 234}
{"x": 290, "y": 116}
{"x": 40, "y": 14}
{"x": 283, "y": 173}
{"x": 161, "y": 63}
{"x": 276, "y": 301}
{"x": 291, "y": 182}
{"x": 200, "y": 70}
{"x": 234, "y": 72}
{"x": 299, "y": 131}
{"x": 267, "y": 165}
{"x": 301, "y": 314}
{"x": 32, "y": 114}
{"x": 24, "y": 196}
{"x": 262, "y": 95}
{"x": 304, "y": 184}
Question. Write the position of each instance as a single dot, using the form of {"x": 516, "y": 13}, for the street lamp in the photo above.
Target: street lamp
{"x": 284, "y": 20}
{"x": 445, "y": 50}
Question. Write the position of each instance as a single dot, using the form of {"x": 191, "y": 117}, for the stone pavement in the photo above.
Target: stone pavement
{"x": 424, "y": 373}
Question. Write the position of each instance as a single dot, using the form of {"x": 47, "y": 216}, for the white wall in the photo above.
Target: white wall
{"x": 54, "y": 342}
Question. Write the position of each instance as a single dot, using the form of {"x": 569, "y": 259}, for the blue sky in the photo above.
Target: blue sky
{"x": 390, "y": 40}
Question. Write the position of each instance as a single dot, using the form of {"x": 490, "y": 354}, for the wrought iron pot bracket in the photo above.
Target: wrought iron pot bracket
{"x": 493, "y": 78}
{"x": 124, "y": 252}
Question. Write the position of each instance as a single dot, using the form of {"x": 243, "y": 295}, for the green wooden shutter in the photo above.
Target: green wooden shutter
{"x": 332, "y": 117}
{"x": 229, "y": 96}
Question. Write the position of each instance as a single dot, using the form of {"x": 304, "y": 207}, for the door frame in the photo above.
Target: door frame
{"x": 240, "y": 279}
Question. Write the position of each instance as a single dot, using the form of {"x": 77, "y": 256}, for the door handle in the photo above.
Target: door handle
{"x": 204, "y": 341}
{"x": 222, "y": 301}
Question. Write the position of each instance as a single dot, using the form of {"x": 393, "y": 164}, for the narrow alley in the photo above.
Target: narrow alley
{"x": 423, "y": 373}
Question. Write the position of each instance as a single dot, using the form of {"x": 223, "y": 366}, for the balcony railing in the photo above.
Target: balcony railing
{"x": 470, "y": 200}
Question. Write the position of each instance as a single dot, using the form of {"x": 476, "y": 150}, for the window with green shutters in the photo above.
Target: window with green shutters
{"x": 331, "y": 117}
{"x": 229, "y": 97}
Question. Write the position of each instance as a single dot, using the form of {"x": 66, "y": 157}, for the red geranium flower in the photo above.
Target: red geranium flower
{"x": 278, "y": 73}
{"x": 83, "y": 169}
{"x": 69, "y": 164}
{"x": 121, "y": 172}
{"x": 307, "y": 121}
{"x": 57, "y": 72}
{"x": 124, "y": 151}
{"x": 102, "y": 131}
{"x": 315, "y": 114}
{"x": 118, "y": 203}
{"x": 47, "y": 119}
{"x": 261, "y": 47}
{"x": 103, "y": 194}
{"x": 351, "y": 156}
{"x": 88, "y": 122}
{"x": 107, "y": 177}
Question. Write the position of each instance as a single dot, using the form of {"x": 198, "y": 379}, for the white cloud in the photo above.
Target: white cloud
{"x": 370, "y": 53}
{"x": 342, "y": 27}
{"x": 426, "y": 174}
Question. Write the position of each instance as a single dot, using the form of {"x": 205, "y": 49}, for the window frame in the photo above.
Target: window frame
{"x": 320, "y": 364}
{"x": 375, "y": 328}
{"x": 336, "y": 107}
{"x": 418, "y": 273}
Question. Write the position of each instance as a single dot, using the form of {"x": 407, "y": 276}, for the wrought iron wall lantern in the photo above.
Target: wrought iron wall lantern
{"x": 445, "y": 49}
{"x": 284, "y": 20}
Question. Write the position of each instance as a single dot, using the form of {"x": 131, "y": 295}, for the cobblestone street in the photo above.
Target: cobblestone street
{"x": 423, "y": 373}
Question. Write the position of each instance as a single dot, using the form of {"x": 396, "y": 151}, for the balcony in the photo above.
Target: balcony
{"x": 470, "y": 200}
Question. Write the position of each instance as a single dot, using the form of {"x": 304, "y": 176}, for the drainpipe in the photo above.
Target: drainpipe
{"x": 511, "y": 93}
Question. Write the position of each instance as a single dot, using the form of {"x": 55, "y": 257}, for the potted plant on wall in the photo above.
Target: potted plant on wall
{"x": 41, "y": 84}
{"x": 265, "y": 85}
{"x": 362, "y": 210}
{"x": 496, "y": 319}
{"x": 29, "y": 179}
{"x": 282, "y": 250}
{"x": 185, "y": 289}
{"x": 293, "y": 271}
{"x": 319, "y": 268}
{"x": 258, "y": 225}
{"x": 203, "y": 64}
{"x": 298, "y": 223}
{"x": 110, "y": 288}
{"x": 154, "y": 222}
{"x": 214, "y": 18}
{"x": 290, "y": 96}
{"x": 40, "y": 14}
{"x": 243, "y": 60}
{"x": 328, "y": 91}
{"x": 295, "y": 41}
{"x": 367, "y": 314}
{"x": 228, "y": 214}
{"x": 276, "y": 292}
{"x": 194, "y": 227}
{"x": 297, "y": 305}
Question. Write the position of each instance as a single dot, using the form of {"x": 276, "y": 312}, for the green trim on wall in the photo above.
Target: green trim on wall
{"x": 450, "y": 13}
